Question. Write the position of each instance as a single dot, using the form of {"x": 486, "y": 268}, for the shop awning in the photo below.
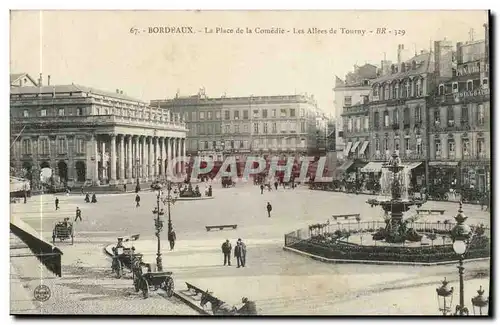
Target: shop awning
{"x": 372, "y": 167}
{"x": 355, "y": 146}
{"x": 363, "y": 147}
{"x": 346, "y": 165}
{"x": 413, "y": 165}
{"x": 47, "y": 254}
{"x": 444, "y": 163}
{"x": 348, "y": 148}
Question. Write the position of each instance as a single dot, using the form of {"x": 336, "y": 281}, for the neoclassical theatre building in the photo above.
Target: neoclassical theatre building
{"x": 89, "y": 136}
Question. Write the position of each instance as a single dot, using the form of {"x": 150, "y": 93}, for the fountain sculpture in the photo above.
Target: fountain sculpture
{"x": 398, "y": 203}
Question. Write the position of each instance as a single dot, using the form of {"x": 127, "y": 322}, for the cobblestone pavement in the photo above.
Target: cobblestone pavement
{"x": 280, "y": 282}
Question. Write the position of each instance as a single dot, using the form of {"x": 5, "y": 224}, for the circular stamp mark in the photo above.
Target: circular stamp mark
{"x": 42, "y": 293}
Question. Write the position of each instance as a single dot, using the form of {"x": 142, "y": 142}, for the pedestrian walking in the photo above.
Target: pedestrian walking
{"x": 78, "y": 214}
{"x": 226, "y": 250}
{"x": 94, "y": 198}
{"x": 137, "y": 201}
{"x": 261, "y": 188}
{"x": 57, "y": 204}
{"x": 237, "y": 254}
{"x": 269, "y": 209}
{"x": 243, "y": 257}
{"x": 125, "y": 188}
{"x": 172, "y": 238}
{"x": 276, "y": 185}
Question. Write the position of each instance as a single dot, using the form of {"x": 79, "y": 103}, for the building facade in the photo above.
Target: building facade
{"x": 351, "y": 91}
{"x": 254, "y": 125}
{"x": 460, "y": 155}
{"x": 88, "y": 136}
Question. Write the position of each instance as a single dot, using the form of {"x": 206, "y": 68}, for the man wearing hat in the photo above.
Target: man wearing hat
{"x": 226, "y": 250}
{"x": 242, "y": 252}
{"x": 249, "y": 307}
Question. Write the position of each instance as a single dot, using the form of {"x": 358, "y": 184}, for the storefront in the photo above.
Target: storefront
{"x": 443, "y": 177}
{"x": 475, "y": 175}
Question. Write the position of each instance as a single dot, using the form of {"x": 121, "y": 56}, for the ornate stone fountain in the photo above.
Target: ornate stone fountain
{"x": 396, "y": 205}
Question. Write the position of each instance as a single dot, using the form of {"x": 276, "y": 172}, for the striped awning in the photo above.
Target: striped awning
{"x": 413, "y": 165}
{"x": 346, "y": 165}
{"x": 348, "y": 148}
{"x": 363, "y": 147}
{"x": 355, "y": 146}
{"x": 372, "y": 167}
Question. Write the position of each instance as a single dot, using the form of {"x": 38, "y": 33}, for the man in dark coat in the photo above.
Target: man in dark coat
{"x": 137, "y": 201}
{"x": 249, "y": 307}
{"x": 94, "y": 198}
{"x": 261, "y": 188}
{"x": 269, "y": 209}
{"x": 237, "y": 254}
{"x": 125, "y": 188}
{"x": 172, "y": 238}
{"x": 276, "y": 185}
{"x": 57, "y": 204}
{"x": 243, "y": 257}
{"x": 226, "y": 250}
{"x": 78, "y": 214}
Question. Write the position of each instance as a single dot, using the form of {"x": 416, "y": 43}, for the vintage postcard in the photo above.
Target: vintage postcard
{"x": 250, "y": 163}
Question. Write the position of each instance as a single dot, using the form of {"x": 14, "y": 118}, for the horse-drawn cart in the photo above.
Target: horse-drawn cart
{"x": 62, "y": 231}
{"x": 123, "y": 258}
{"x": 147, "y": 280}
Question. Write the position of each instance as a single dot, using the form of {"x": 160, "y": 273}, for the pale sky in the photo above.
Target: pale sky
{"x": 96, "y": 49}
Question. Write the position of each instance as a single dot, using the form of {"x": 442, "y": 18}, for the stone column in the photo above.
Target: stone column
{"x": 157, "y": 156}
{"x": 95, "y": 152}
{"x": 129, "y": 159}
{"x": 136, "y": 155}
{"x": 144, "y": 169}
{"x": 122, "y": 159}
{"x": 151, "y": 158}
{"x": 112, "y": 177}
{"x": 103, "y": 162}
{"x": 184, "y": 155}
{"x": 178, "y": 154}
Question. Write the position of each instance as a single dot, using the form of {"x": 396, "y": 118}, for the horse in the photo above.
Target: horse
{"x": 218, "y": 306}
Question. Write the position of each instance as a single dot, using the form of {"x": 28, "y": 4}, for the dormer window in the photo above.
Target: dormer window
{"x": 365, "y": 82}
{"x": 375, "y": 91}
{"x": 413, "y": 65}
{"x": 441, "y": 89}
{"x": 418, "y": 88}
{"x": 454, "y": 87}
{"x": 403, "y": 67}
{"x": 395, "y": 89}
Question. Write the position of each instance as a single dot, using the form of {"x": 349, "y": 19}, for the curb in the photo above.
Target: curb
{"x": 195, "y": 198}
{"x": 344, "y": 261}
{"x": 177, "y": 295}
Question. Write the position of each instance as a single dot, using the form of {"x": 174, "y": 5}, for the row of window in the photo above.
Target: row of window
{"x": 450, "y": 117}
{"x": 44, "y": 146}
{"x": 456, "y": 86}
{"x": 256, "y": 113}
{"x": 466, "y": 149}
{"x": 407, "y": 145}
{"x": 395, "y": 89}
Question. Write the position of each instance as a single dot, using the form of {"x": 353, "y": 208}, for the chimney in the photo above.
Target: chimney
{"x": 40, "y": 81}
{"x": 48, "y": 80}
{"x": 401, "y": 47}
{"x": 459, "y": 52}
{"x": 121, "y": 92}
{"x": 117, "y": 91}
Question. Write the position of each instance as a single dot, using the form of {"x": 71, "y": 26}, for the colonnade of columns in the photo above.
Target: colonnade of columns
{"x": 123, "y": 158}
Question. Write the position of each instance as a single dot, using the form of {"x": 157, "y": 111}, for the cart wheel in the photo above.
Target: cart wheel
{"x": 145, "y": 288}
{"x": 136, "y": 285}
{"x": 118, "y": 269}
{"x": 168, "y": 286}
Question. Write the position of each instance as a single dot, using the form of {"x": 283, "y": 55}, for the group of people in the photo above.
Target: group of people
{"x": 87, "y": 198}
{"x": 240, "y": 252}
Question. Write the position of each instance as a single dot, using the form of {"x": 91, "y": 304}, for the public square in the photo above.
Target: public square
{"x": 280, "y": 282}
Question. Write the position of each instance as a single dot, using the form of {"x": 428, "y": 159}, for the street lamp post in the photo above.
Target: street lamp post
{"x": 158, "y": 215}
{"x": 461, "y": 234}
